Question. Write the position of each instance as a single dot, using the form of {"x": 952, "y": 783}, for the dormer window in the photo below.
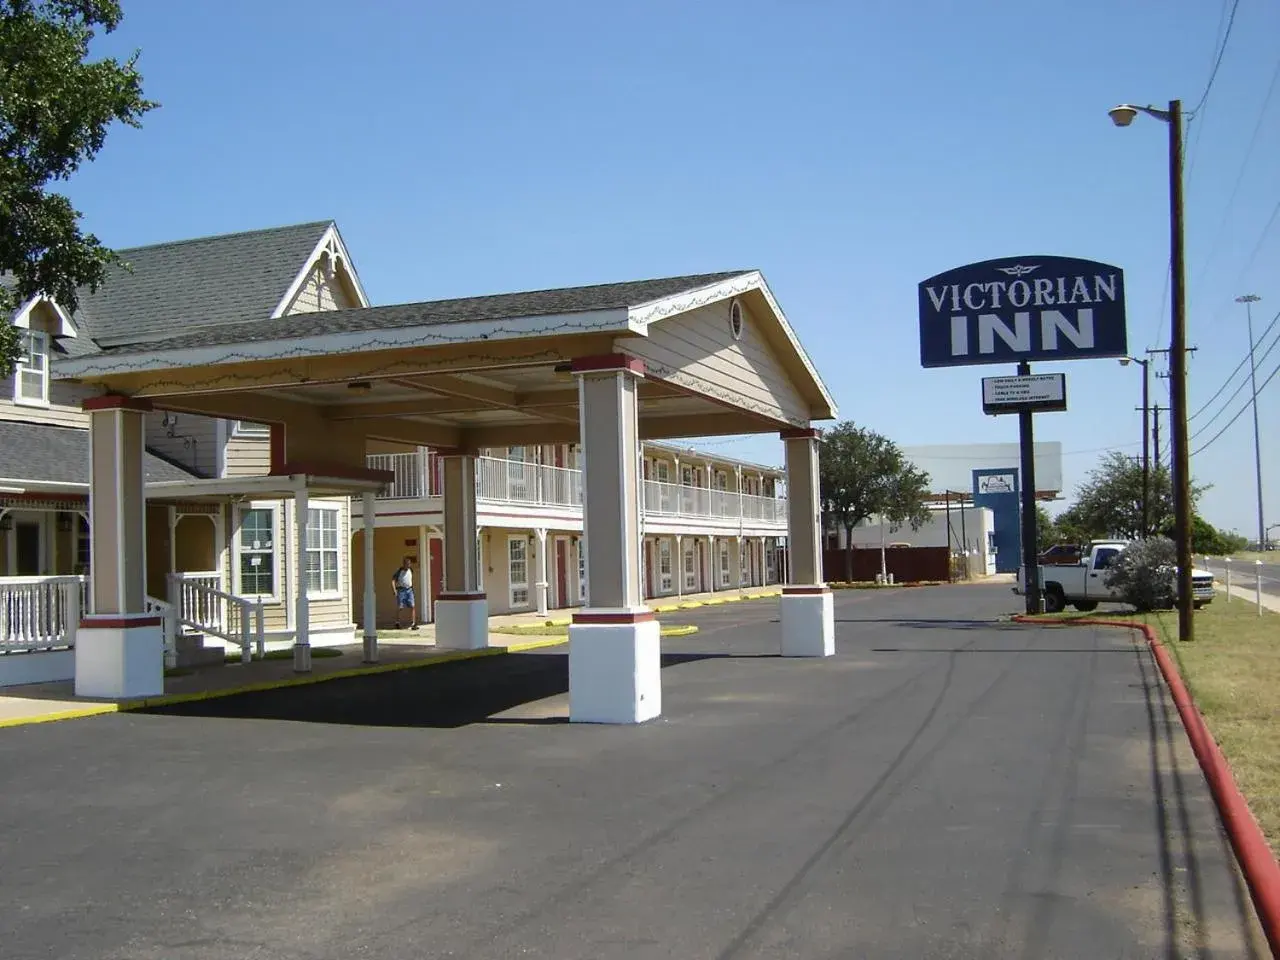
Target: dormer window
{"x": 31, "y": 374}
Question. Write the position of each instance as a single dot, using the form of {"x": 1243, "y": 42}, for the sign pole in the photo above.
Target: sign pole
{"x": 1030, "y": 555}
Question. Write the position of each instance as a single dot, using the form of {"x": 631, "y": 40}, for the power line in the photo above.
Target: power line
{"x": 1222, "y": 49}
{"x": 1226, "y": 383}
{"x": 1271, "y": 221}
{"x": 1239, "y": 413}
{"x": 1248, "y": 155}
{"x": 1243, "y": 383}
{"x": 1193, "y": 117}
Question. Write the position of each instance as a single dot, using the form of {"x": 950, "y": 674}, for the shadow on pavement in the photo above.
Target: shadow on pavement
{"x": 444, "y": 696}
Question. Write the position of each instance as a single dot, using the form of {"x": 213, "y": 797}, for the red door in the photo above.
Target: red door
{"x": 437, "y": 573}
{"x": 562, "y": 572}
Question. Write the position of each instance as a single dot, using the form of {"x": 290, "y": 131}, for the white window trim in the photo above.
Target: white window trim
{"x": 724, "y": 563}
{"x": 278, "y": 541}
{"x": 666, "y": 581}
{"x": 250, "y": 429}
{"x": 689, "y": 566}
{"x": 336, "y": 594}
{"x": 512, "y": 584}
{"x": 20, "y": 368}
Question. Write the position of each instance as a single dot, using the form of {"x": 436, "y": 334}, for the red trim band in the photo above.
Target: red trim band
{"x": 119, "y": 623}
{"x": 801, "y": 433}
{"x": 460, "y": 595}
{"x": 608, "y": 362}
{"x": 115, "y": 401}
{"x": 277, "y": 447}
{"x": 336, "y": 470}
{"x": 623, "y": 617}
{"x": 805, "y": 591}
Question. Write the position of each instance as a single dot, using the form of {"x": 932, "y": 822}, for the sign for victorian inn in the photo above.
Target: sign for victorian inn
{"x": 1022, "y": 309}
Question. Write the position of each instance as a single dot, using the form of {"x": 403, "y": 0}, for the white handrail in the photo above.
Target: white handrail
{"x": 39, "y": 613}
{"x": 211, "y": 610}
{"x": 169, "y": 622}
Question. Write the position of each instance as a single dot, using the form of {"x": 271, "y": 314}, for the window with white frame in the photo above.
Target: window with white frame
{"x": 322, "y": 550}
{"x": 518, "y": 570}
{"x": 247, "y": 428}
{"x": 664, "y": 566}
{"x": 724, "y": 563}
{"x": 690, "y": 567}
{"x": 256, "y": 569}
{"x": 771, "y": 562}
{"x": 31, "y": 374}
{"x": 662, "y": 473}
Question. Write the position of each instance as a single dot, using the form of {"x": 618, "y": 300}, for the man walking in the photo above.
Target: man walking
{"x": 402, "y": 582}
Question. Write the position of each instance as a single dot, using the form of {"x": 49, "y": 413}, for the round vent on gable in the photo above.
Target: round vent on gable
{"x": 735, "y": 319}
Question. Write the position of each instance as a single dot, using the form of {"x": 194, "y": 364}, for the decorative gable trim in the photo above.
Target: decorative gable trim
{"x": 648, "y": 313}
{"x": 330, "y": 245}
{"x": 66, "y": 328}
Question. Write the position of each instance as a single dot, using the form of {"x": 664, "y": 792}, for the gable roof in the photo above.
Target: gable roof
{"x": 506, "y": 306}
{"x": 189, "y": 284}
{"x": 37, "y": 452}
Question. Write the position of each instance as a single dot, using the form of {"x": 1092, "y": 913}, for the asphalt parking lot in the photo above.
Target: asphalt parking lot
{"x": 946, "y": 786}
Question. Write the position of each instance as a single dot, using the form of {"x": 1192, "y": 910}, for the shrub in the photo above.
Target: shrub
{"x": 1143, "y": 575}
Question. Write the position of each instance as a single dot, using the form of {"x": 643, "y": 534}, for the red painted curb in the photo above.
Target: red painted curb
{"x": 1259, "y": 866}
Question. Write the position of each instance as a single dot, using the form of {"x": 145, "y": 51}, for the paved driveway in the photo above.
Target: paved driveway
{"x": 946, "y": 786}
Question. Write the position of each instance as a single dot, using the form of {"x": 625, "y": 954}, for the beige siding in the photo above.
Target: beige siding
{"x": 321, "y": 292}
{"x": 697, "y": 350}
{"x": 194, "y": 440}
{"x": 247, "y": 456}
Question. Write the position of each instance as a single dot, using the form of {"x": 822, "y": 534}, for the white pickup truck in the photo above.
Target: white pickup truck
{"x": 1084, "y": 584}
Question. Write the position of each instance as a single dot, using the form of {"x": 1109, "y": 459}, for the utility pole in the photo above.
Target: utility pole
{"x": 1249, "y": 299}
{"x": 1155, "y": 431}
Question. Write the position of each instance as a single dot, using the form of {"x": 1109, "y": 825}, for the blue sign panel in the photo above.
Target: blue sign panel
{"x": 1022, "y": 308}
{"x": 998, "y": 490}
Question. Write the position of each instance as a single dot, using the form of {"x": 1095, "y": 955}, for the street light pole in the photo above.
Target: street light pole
{"x": 1122, "y": 116}
{"x": 1249, "y": 299}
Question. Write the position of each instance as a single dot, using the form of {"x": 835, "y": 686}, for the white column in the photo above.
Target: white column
{"x": 807, "y": 608}
{"x": 679, "y": 566}
{"x": 301, "y": 605}
{"x": 540, "y": 571}
{"x": 368, "y": 508}
{"x": 709, "y": 585}
{"x": 423, "y": 594}
{"x": 762, "y": 564}
{"x": 614, "y": 655}
{"x": 462, "y": 610}
{"x": 119, "y": 652}
{"x": 738, "y": 558}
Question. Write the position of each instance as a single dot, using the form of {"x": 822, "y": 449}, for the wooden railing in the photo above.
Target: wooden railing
{"x": 202, "y": 605}
{"x": 39, "y": 613}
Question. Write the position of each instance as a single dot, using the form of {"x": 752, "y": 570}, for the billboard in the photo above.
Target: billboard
{"x": 1023, "y": 308}
{"x": 1037, "y": 392}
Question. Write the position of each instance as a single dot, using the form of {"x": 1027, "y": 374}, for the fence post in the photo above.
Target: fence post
{"x": 246, "y": 652}
{"x": 262, "y": 641}
{"x": 72, "y": 614}
{"x": 1228, "y": 563}
{"x": 1257, "y": 585}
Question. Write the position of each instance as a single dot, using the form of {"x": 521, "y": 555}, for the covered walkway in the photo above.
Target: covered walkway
{"x": 606, "y": 367}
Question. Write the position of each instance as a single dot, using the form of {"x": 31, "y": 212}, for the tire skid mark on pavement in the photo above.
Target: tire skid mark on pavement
{"x": 873, "y": 804}
{"x": 481, "y": 945}
{"x": 1059, "y": 783}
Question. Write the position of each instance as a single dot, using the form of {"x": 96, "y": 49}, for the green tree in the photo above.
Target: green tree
{"x": 863, "y": 475}
{"x": 55, "y": 108}
{"x": 1208, "y": 539}
{"x": 1109, "y": 502}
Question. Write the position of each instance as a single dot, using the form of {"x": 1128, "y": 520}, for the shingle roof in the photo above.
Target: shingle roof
{"x": 37, "y": 451}
{"x": 606, "y": 296}
{"x": 193, "y": 283}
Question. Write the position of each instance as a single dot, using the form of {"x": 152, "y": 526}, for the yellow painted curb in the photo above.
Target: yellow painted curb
{"x": 682, "y": 631}
{"x": 535, "y": 644}
{"x": 72, "y": 714}
{"x": 691, "y": 605}
{"x": 666, "y": 608}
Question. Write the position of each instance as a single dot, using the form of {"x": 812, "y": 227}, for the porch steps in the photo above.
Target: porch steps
{"x": 193, "y": 653}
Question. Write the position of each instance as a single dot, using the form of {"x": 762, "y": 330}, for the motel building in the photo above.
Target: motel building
{"x": 189, "y": 460}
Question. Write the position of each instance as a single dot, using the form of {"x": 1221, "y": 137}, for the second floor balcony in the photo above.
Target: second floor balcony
{"x": 516, "y": 483}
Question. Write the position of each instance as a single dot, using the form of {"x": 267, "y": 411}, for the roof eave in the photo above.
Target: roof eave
{"x": 368, "y": 340}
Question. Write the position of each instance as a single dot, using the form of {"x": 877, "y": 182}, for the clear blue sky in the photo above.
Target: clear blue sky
{"x": 848, "y": 150}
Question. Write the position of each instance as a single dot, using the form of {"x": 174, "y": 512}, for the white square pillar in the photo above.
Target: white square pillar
{"x": 302, "y": 605}
{"x": 615, "y": 657}
{"x": 119, "y": 651}
{"x": 540, "y": 571}
{"x": 807, "y": 607}
{"x": 462, "y": 610}
{"x": 369, "y": 508}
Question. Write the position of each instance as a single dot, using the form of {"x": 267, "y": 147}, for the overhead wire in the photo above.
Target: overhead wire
{"x": 1243, "y": 383}
{"x": 1239, "y": 413}
{"x": 1240, "y": 366}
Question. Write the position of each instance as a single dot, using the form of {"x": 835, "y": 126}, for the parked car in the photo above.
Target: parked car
{"x": 1084, "y": 584}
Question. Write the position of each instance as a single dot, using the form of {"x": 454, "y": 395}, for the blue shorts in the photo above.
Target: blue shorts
{"x": 404, "y": 597}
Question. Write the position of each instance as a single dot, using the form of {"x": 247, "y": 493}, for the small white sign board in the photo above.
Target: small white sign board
{"x": 1037, "y": 392}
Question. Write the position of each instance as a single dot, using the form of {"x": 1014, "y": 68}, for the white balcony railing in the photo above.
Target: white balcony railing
{"x": 39, "y": 613}
{"x": 521, "y": 483}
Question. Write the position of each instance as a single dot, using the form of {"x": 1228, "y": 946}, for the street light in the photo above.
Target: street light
{"x": 1249, "y": 299}
{"x": 1146, "y": 442}
{"x": 1122, "y": 116}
